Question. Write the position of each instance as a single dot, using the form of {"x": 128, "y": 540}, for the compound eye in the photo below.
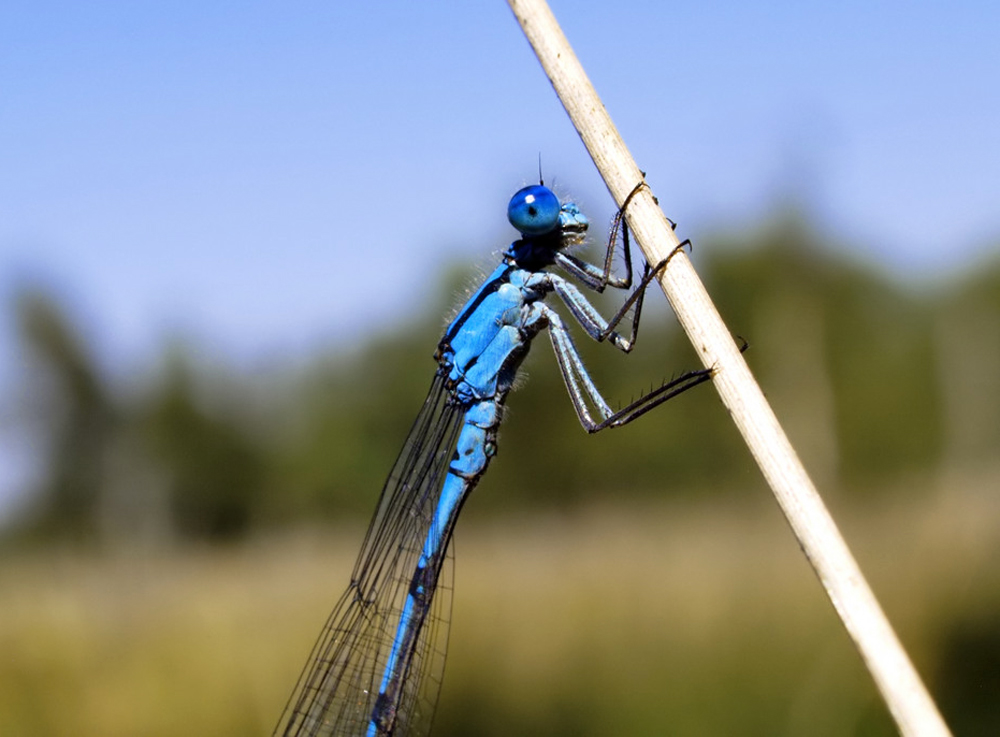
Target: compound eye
{"x": 534, "y": 210}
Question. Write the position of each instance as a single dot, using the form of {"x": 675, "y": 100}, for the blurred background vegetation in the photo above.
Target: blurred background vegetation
{"x": 188, "y": 529}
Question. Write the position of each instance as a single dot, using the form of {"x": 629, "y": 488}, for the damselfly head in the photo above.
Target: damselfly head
{"x": 535, "y": 210}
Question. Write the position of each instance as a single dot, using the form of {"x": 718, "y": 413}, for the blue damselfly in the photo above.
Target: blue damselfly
{"x": 376, "y": 667}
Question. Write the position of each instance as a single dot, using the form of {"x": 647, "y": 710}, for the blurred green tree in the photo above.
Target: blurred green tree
{"x": 76, "y": 418}
{"x": 213, "y": 467}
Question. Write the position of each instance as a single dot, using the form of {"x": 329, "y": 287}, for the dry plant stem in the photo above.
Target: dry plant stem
{"x": 904, "y": 693}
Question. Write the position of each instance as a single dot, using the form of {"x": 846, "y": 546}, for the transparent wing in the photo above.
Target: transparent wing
{"x": 336, "y": 692}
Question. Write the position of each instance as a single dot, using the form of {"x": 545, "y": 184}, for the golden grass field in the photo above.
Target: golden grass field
{"x": 689, "y": 619}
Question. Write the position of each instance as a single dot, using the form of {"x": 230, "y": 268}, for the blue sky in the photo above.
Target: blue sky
{"x": 269, "y": 178}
